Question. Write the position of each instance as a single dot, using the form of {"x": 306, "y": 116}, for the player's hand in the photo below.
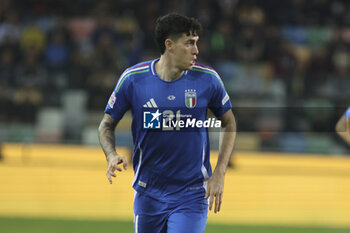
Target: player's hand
{"x": 113, "y": 161}
{"x": 215, "y": 189}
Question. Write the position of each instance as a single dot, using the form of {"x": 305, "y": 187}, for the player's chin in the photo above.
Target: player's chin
{"x": 188, "y": 66}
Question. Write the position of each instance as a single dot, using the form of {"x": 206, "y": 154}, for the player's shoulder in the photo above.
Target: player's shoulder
{"x": 140, "y": 65}
{"x": 206, "y": 72}
{"x": 127, "y": 77}
{"x": 197, "y": 67}
{"x": 139, "y": 68}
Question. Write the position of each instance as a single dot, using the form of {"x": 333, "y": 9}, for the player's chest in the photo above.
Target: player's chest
{"x": 190, "y": 96}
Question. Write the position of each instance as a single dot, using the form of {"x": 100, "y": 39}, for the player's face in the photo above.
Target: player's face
{"x": 185, "y": 51}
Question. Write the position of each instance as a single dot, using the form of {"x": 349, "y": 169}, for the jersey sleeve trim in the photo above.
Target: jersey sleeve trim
{"x": 128, "y": 73}
{"x": 208, "y": 71}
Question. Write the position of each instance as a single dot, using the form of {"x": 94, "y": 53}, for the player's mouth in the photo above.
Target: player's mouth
{"x": 193, "y": 60}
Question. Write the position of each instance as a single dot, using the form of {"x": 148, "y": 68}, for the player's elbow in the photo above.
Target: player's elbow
{"x": 107, "y": 124}
{"x": 100, "y": 130}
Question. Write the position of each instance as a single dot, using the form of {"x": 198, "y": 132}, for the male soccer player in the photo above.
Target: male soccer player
{"x": 169, "y": 98}
{"x": 343, "y": 126}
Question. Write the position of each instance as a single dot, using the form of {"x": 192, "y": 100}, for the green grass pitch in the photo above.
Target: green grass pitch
{"x": 27, "y": 225}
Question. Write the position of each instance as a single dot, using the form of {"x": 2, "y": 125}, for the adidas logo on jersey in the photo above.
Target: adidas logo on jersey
{"x": 150, "y": 104}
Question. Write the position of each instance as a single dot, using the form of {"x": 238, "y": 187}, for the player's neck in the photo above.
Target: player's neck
{"x": 166, "y": 69}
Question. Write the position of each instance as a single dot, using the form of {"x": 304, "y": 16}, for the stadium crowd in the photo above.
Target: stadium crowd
{"x": 285, "y": 64}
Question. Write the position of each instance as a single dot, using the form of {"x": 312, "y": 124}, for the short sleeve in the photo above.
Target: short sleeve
{"x": 220, "y": 101}
{"x": 120, "y": 100}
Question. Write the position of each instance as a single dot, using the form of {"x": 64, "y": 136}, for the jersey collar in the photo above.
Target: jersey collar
{"x": 153, "y": 69}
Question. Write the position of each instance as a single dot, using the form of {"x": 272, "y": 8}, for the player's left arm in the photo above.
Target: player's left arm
{"x": 215, "y": 186}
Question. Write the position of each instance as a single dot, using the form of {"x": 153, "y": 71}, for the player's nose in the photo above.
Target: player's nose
{"x": 195, "y": 50}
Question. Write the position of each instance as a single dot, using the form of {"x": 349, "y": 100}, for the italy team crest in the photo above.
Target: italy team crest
{"x": 190, "y": 98}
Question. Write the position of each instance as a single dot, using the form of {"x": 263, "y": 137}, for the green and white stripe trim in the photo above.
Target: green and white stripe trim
{"x": 128, "y": 73}
{"x": 208, "y": 71}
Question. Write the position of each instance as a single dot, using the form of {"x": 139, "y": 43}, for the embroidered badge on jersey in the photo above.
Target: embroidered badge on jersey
{"x": 190, "y": 98}
{"x": 111, "y": 100}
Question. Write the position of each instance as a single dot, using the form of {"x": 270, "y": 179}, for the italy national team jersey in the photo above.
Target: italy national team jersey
{"x": 169, "y": 126}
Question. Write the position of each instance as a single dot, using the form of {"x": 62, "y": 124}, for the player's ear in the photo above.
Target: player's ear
{"x": 168, "y": 44}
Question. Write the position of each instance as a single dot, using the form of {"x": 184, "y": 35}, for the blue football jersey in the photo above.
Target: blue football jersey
{"x": 169, "y": 127}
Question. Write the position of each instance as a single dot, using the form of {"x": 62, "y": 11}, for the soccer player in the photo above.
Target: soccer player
{"x": 169, "y": 97}
{"x": 343, "y": 126}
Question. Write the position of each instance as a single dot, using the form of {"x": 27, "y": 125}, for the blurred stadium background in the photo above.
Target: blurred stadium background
{"x": 285, "y": 64}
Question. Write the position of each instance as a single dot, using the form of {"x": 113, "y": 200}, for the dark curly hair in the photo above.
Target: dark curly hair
{"x": 172, "y": 26}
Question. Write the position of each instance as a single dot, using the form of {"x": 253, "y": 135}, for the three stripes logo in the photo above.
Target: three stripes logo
{"x": 150, "y": 104}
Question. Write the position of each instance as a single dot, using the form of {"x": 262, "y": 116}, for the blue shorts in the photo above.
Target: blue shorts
{"x": 155, "y": 216}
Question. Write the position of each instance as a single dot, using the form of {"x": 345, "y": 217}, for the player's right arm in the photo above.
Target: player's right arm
{"x": 343, "y": 127}
{"x": 107, "y": 141}
{"x": 118, "y": 104}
